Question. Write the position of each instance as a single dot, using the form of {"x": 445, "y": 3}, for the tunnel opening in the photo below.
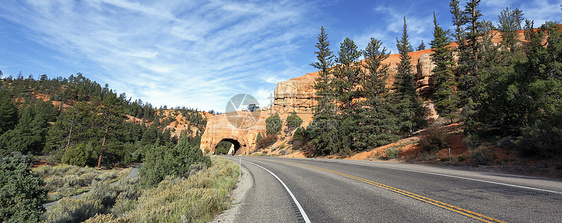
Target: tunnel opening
{"x": 233, "y": 148}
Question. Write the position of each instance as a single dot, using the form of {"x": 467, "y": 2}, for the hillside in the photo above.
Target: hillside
{"x": 62, "y": 116}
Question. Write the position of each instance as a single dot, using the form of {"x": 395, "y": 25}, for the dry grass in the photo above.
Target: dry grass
{"x": 67, "y": 180}
{"x": 196, "y": 199}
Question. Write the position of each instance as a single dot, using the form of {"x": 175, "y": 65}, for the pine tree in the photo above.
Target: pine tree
{"x": 259, "y": 137}
{"x": 421, "y": 46}
{"x": 509, "y": 25}
{"x": 322, "y": 84}
{"x": 8, "y": 112}
{"x": 345, "y": 85}
{"x": 347, "y": 75}
{"x": 110, "y": 118}
{"x": 74, "y": 126}
{"x": 444, "y": 95}
{"x": 21, "y": 192}
{"x": 323, "y": 128}
{"x": 409, "y": 108}
{"x": 470, "y": 59}
{"x": 459, "y": 35}
{"x": 273, "y": 124}
{"x": 377, "y": 125}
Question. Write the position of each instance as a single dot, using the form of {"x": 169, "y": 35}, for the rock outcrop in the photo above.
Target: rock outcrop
{"x": 235, "y": 128}
{"x": 298, "y": 95}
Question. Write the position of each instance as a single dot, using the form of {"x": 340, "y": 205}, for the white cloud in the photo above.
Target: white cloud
{"x": 200, "y": 53}
{"x": 169, "y": 53}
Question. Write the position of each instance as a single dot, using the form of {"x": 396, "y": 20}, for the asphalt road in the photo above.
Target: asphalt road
{"x": 320, "y": 190}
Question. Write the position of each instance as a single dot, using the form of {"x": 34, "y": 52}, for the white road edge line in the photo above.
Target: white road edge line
{"x": 288, "y": 190}
{"x": 490, "y": 182}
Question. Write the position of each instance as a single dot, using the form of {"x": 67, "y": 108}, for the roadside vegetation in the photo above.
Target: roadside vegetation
{"x": 194, "y": 198}
{"x": 67, "y": 180}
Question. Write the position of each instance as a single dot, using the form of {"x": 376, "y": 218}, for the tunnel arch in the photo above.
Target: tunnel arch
{"x": 233, "y": 141}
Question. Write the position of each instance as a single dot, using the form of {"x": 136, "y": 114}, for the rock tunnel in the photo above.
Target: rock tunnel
{"x": 234, "y": 142}
{"x": 219, "y": 128}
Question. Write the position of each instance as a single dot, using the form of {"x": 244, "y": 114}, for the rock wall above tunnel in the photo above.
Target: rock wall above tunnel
{"x": 220, "y": 128}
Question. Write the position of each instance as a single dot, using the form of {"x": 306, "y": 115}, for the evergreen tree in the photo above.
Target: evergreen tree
{"x": 110, "y": 118}
{"x": 458, "y": 18}
{"x": 322, "y": 84}
{"x": 323, "y": 128}
{"x": 259, "y": 137}
{"x": 273, "y": 124}
{"x": 21, "y": 192}
{"x": 522, "y": 96}
{"x": 8, "y": 112}
{"x": 162, "y": 161}
{"x": 377, "y": 125}
{"x": 29, "y": 134}
{"x": 469, "y": 61}
{"x": 421, "y": 46}
{"x": 74, "y": 125}
{"x": 409, "y": 108}
{"x": 345, "y": 84}
{"x": 444, "y": 96}
{"x": 293, "y": 121}
{"x": 347, "y": 75}
{"x": 509, "y": 25}
{"x": 150, "y": 135}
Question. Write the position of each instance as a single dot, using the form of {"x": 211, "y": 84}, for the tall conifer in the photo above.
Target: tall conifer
{"x": 378, "y": 126}
{"x": 345, "y": 84}
{"x": 323, "y": 128}
{"x": 409, "y": 108}
{"x": 444, "y": 95}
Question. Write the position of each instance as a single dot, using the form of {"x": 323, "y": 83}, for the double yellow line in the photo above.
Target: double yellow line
{"x": 452, "y": 208}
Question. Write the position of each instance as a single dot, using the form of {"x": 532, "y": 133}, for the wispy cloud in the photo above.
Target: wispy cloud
{"x": 170, "y": 52}
{"x": 200, "y": 53}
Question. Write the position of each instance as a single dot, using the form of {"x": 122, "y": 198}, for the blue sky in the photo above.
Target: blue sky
{"x": 198, "y": 53}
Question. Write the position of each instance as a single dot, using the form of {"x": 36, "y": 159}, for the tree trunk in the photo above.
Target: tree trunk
{"x": 102, "y": 147}
{"x": 70, "y": 133}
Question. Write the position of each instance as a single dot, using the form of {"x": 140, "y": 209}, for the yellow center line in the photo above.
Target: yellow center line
{"x": 453, "y": 208}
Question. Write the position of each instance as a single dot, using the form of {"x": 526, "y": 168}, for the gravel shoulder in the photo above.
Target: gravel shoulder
{"x": 245, "y": 183}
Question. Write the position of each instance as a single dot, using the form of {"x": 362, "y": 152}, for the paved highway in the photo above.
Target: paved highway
{"x": 320, "y": 190}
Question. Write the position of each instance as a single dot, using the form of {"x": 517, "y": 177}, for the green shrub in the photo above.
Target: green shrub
{"x": 21, "y": 192}
{"x": 393, "y": 152}
{"x": 293, "y": 121}
{"x": 299, "y": 135}
{"x": 541, "y": 142}
{"x": 81, "y": 155}
{"x": 162, "y": 161}
{"x": 472, "y": 141}
{"x": 74, "y": 210}
{"x": 104, "y": 218}
{"x": 195, "y": 199}
{"x": 273, "y": 124}
{"x": 66, "y": 180}
{"x": 99, "y": 200}
{"x": 480, "y": 156}
{"x": 259, "y": 137}
{"x": 433, "y": 139}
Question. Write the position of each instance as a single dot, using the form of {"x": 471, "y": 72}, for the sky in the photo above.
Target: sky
{"x": 198, "y": 53}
